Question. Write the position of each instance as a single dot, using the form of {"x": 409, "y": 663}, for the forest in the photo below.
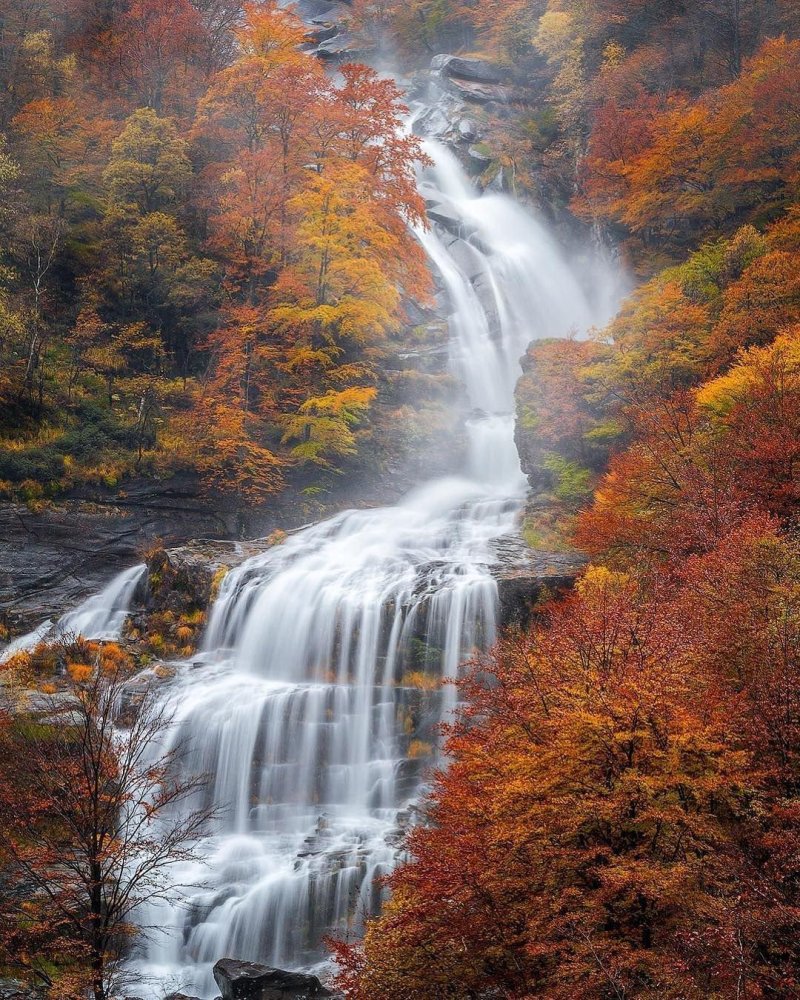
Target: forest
{"x": 216, "y": 264}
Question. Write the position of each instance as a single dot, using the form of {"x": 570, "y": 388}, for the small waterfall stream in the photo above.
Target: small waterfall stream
{"x": 311, "y": 709}
{"x": 101, "y": 616}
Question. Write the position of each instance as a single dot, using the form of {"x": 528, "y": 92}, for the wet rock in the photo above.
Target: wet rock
{"x": 481, "y": 156}
{"x": 12, "y": 989}
{"x": 250, "y": 981}
{"x": 52, "y": 559}
{"x": 315, "y": 10}
{"x": 319, "y": 33}
{"x": 180, "y": 996}
{"x": 338, "y": 46}
{"x": 479, "y": 93}
{"x": 523, "y": 573}
{"x": 473, "y": 68}
{"x": 434, "y": 123}
{"x": 486, "y": 296}
{"x": 446, "y": 216}
{"x": 468, "y": 130}
{"x": 467, "y": 258}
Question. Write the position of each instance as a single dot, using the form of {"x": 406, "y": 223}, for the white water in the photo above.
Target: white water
{"x": 100, "y": 617}
{"x": 303, "y": 708}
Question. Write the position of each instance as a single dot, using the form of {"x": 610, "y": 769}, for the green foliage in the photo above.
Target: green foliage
{"x": 149, "y": 167}
{"x": 572, "y": 484}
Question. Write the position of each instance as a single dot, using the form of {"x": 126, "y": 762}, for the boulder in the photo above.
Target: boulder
{"x": 472, "y": 68}
{"x": 337, "y": 47}
{"x": 434, "y": 122}
{"x": 467, "y": 259}
{"x": 479, "y": 93}
{"x": 468, "y": 130}
{"x": 446, "y": 216}
{"x": 250, "y": 981}
{"x": 319, "y": 33}
{"x": 522, "y": 573}
{"x": 313, "y": 10}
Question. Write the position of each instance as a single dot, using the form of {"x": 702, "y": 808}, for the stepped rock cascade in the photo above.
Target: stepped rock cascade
{"x": 306, "y": 705}
{"x": 100, "y": 616}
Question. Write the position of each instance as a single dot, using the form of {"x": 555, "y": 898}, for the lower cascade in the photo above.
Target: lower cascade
{"x": 314, "y": 705}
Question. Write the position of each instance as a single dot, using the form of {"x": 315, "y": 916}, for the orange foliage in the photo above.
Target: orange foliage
{"x": 608, "y": 825}
{"x": 730, "y": 153}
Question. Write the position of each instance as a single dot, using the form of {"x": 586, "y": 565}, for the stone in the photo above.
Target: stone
{"x": 12, "y": 989}
{"x": 480, "y": 155}
{"x": 473, "y": 68}
{"x": 479, "y": 93}
{"x": 467, "y": 258}
{"x": 446, "y": 217}
{"x": 433, "y": 123}
{"x": 323, "y": 33}
{"x": 54, "y": 558}
{"x": 522, "y": 573}
{"x": 250, "y": 981}
{"x": 468, "y": 130}
{"x": 336, "y": 47}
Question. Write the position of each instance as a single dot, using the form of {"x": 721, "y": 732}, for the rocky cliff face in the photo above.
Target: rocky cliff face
{"x": 53, "y": 556}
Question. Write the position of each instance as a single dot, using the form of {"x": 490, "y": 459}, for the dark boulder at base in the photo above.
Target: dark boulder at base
{"x": 250, "y": 981}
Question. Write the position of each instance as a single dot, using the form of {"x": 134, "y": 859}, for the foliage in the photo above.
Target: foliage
{"x": 609, "y": 825}
{"x": 205, "y": 241}
{"x": 87, "y": 834}
{"x": 618, "y": 814}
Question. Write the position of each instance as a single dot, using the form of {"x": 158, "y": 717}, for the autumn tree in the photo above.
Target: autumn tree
{"x": 310, "y": 213}
{"x": 90, "y": 831}
{"x": 578, "y": 837}
{"x": 151, "y": 55}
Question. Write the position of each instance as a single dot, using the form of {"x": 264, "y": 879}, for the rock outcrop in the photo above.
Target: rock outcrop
{"x": 12, "y": 989}
{"x": 468, "y": 68}
{"x": 524, "y": 574}
{"x": 250, "y": 981}
{"x": 54, "y": 557}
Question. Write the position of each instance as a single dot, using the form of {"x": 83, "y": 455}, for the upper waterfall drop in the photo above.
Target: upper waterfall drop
{"x": 311, "y": 709}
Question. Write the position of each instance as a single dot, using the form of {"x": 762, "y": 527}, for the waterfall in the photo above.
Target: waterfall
{"x": 312, "y": 707}
{"x": 100, "y": 616}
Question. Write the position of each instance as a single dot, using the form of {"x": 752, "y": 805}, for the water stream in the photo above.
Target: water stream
{"x": 314, "y": 704}
{"x": 313, "y": 709}
{"x": 100, "y": 617}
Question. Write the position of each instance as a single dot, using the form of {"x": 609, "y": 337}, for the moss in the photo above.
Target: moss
{"x": 572, "y": 483}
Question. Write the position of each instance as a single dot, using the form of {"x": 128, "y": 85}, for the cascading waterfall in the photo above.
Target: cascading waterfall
{"x": 306, "y": 706}
{"x": 99, "y": 617}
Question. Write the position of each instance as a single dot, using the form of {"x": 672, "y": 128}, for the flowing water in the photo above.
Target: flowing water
{"x": 312, "y": 706}
{"x": 101, "y": 616}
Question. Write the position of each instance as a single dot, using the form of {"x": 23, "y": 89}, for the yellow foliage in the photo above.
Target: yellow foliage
{"x": 599, "y": 581}
{"x": 719, "y": 396}
{"x": 421, "y": 680}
